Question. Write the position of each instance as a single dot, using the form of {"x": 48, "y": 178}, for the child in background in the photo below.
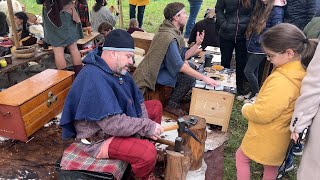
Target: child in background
{"x": 266, "y": 13}
{"x": 208, "y": 25}
{"x": 104, "y": 29}
{"x": 268, "y": 134}
{"x": 134, "y": 26}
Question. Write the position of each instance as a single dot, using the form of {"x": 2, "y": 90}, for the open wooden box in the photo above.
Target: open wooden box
{"x": 214, "y": 106}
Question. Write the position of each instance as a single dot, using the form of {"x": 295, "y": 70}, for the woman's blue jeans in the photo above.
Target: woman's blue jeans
{"x": 194, "y": 10}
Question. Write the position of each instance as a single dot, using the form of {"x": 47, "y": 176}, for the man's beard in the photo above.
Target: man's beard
{"x": 121, "y": 70}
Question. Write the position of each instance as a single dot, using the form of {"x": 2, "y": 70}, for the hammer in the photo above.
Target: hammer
{"x": 177, "y": 144}
{"x": 181, "y": 124}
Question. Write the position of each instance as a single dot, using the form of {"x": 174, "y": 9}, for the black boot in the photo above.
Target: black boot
{"x": 77, "y": 69}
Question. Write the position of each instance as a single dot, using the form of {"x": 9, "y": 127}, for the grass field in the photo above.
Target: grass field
{"x": 238, "y": 125}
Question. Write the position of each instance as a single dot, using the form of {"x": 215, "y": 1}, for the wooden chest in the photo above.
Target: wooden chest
{"x": 28, "y": 105}
{"x": 142, "y": 40}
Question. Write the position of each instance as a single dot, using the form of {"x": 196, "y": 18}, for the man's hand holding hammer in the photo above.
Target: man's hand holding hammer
{"x": 157, "y": 132}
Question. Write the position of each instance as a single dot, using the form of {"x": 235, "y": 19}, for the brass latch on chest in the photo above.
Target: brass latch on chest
{"x": 51, "y": 99}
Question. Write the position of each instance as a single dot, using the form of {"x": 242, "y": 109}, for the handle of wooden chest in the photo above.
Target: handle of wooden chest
{"x": 52, "y": 99}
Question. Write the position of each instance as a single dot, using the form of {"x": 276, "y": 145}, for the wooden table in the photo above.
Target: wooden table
{"x": 19, "y": 62}
{"x": 87, "y": 38}
{"x": 142, "y": 40}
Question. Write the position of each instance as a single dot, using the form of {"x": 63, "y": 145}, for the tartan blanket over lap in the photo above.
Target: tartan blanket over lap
{"x": 74, "y": 158}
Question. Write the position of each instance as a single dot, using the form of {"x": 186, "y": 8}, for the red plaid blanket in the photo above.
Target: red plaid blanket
{"x": 75, "y": 159}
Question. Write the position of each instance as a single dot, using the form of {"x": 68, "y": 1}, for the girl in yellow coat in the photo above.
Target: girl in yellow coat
{"x": 268, "y": 134}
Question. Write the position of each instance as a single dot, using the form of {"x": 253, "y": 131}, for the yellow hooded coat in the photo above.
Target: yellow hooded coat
{"x": 268, "y": 134}
{"x": 139, "y": 2}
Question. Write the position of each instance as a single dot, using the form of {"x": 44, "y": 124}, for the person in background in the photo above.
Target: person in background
{"x": 165, "y": 62}
{"x": 83, "y": 11}
{"x": 300, "y": 12}
{"x": 100, "y": 13}
{"x": 232, "y": 21}
{"x": 62, "y": 29}
{"x": 134, "y": 26}
{"x": 141, "y": 7}
{"x": 21, "y": 21}
{"x": 105, "y": 110}
{"x": 208, "y": 25}
{"x": 268, "y": 134}
{"x": 105, "y": 28}
{"x": 4, "y": 29}
{"x": 312, "y": 29}
{"x": 195, "y": 6}
{"x": 266, "y": 13}
{"x": 306, "y": 115}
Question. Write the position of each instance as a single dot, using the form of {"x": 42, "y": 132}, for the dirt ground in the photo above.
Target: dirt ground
{"x": 36, "y": 159}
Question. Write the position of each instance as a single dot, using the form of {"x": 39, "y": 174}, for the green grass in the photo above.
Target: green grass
{"x": 238, "y": 125}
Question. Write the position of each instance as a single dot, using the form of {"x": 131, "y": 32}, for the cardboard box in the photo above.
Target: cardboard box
{"x": 214, "y": 106}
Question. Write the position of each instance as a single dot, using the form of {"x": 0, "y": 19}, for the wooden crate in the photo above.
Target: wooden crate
{"x": 28, "y": 105}
{"x": 142, "y": 40}
{"x": 214, "y": 106}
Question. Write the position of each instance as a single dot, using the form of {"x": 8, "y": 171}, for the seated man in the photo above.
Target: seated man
{"x": 164, "y": 63}
{"x": 104, "y": 108}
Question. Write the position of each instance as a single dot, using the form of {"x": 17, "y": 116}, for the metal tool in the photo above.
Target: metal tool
{"x": 177, "y": 144}
{"x": 182, "y": 127}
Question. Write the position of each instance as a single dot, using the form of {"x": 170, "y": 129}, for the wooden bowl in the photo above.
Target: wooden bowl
{"x": 25, "y": 50}
{"x": 24, "y": 56}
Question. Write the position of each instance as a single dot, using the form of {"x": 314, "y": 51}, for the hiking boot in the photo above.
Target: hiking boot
{"x": 289, "y": 164}
{"x": 297, "y": 149}
{"x": 243, "y": 97}
{"x": 251, "y": 99}
{"x": 176, "y": 111}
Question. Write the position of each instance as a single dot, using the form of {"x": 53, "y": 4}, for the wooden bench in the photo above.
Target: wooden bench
{"x": 86, "y": 39}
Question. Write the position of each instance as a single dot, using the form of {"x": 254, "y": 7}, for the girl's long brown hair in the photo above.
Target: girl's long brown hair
{"x": 259, "y": 17}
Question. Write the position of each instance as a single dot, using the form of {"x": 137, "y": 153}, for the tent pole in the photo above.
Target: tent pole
{"x": 121, "y": 13}
{"x": 13, "y": 25}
